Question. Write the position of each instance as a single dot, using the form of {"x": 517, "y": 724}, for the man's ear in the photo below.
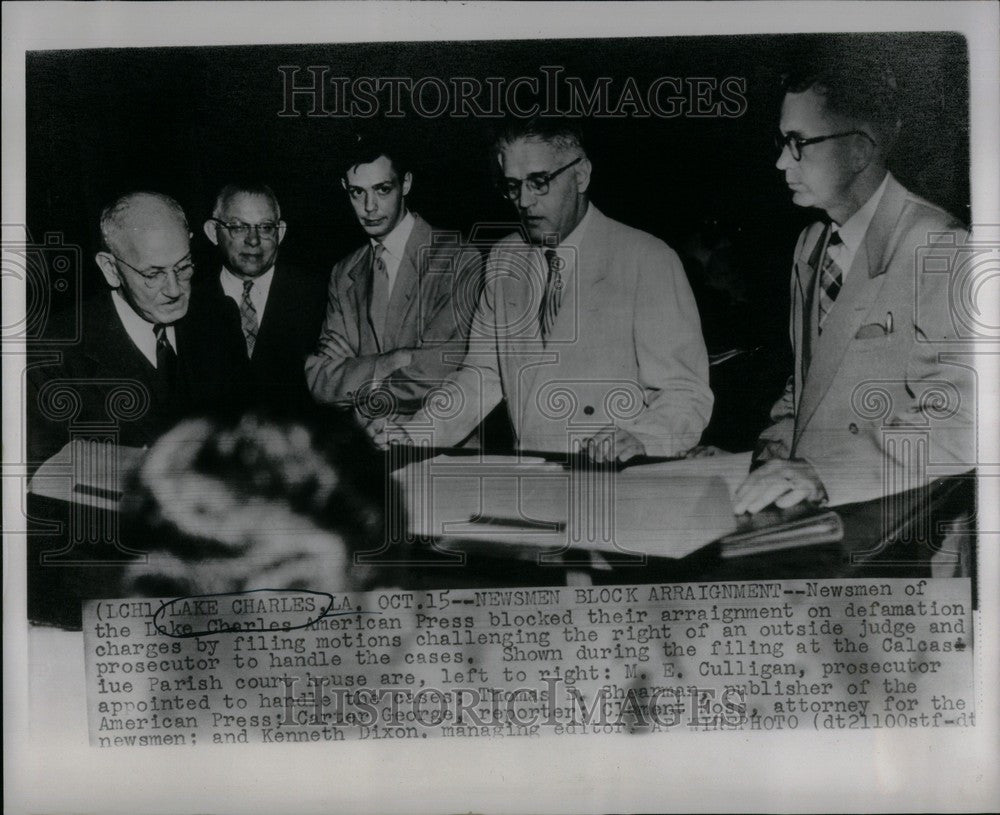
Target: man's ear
{"x": 109, "y": 269}
{"x": 407, "y": 183}
{"x": 582, "y": 174}
{"x": 211, "y": 231}
{"x": 282, "y": 226}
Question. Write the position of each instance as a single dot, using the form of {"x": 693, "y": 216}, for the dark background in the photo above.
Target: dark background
{"x": 184, "y": 121}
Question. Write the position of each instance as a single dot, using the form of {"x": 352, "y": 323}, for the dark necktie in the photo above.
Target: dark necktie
{"x": 379, "y": 306}
{"x": 831, "y": 279}
{"x": 166, "y": 358}
{"x": 248, "y": 318}
{"x": 552, "y": 299}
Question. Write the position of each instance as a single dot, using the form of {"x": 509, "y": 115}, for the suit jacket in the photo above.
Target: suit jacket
{"x": 287, "y": 333}
{"x": 626, "y": 348}
{"x": 429, "y": 313}
{"x": 871, "y": 404}
{"x": 104, "y": 383}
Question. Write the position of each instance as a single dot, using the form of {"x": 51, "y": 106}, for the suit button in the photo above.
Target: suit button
{"x": 853, "y": 428}
{"x": 588, "y": 411}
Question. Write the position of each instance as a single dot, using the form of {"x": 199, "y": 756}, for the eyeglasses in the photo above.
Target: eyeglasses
{"x": 796, "y": 143}
{"x": 537, "y": 183}
{"x": 237, "y": 229}
{"x": 183, "y": 270}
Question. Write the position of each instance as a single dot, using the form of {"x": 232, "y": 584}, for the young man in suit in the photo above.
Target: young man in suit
{"x": 134, "y": 369}
{"x": 272, "y": 309}
{"x": 587, "y": 328}
{"x": 869, "y": 322}
{"x": 399, "y": 306}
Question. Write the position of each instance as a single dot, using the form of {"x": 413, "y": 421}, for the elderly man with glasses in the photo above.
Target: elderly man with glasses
{"x": 134, "y": 368}
{"x": 873, "y": 406}
{"x": 587, "y": 328}
{"x": 269, "y": 309}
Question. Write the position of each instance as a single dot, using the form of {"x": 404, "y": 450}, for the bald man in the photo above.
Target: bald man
{"x": 132, "y": 371}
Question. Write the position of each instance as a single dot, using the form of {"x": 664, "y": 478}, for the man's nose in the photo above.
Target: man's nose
{"x": 525, "y": 197}
{"x": 370, "y": 203}
{"x": 785, "y": 159}
{"x": 253, "y": 236}
{"x": 172, "y": 286}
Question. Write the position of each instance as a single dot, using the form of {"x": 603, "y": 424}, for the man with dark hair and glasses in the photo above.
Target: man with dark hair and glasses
{"x": 869, "y": 320}
{"x": 135, "y": 368}
{"x": 266, "y": 308}
{"x": 587, "y": 328}
{"x": 399, "y": 306}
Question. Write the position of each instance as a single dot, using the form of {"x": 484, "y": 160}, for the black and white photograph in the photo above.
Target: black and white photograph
{"x": 567, "y": 406}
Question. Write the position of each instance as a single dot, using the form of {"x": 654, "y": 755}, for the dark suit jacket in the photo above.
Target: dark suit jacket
{"x": 104, "y": 383}
{"x": 429, "y": 313}
{"x": 275, "y": 375}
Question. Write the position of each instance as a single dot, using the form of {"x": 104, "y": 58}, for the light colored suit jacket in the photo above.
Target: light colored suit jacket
{"x": 429, "y": 312}
{"x": 626, "y": 348}
{"x": 881, "y": 401}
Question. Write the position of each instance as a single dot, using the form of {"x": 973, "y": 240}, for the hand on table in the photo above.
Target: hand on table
{"x": 613, "y": 444}
{"x": 386, "y": 431}
{"x": 783, "y": 482}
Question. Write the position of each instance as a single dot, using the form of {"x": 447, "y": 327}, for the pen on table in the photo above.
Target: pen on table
{"x": 888, "y": 322}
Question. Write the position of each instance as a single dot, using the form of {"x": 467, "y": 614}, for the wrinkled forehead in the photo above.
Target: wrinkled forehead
{"x": 251, "y": 208}
{"x": 807, "y": 114}
{"x": 380, "y": 171}
{"x": 155, "y": 245}
{"x": 530, "y": 156}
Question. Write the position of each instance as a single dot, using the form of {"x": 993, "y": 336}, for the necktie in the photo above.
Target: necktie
{"x": 379, "y": 306}
{"x": 830, "y": 280}
{"x": 248, "y": 317}
{"x": 166, "y": 359}
{"x": 553, "y": 293}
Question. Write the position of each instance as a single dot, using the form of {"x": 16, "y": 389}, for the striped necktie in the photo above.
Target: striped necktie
{"x": 166, "y": 358}
{"x": 553, "y": 293}
{"x": 248, "y": 317}
{"x": 831, "y": 280}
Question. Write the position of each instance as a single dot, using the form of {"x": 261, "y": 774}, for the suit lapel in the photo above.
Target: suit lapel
{"x": 359, "y": 293}
{"x": 861, "y": 288}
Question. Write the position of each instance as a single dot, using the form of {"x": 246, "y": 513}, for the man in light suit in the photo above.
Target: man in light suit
{"x": 269, "y": 310}
{"x": 586, "y": 328}
{"x": 870, "y": 321}
{"x": 398, "y": 307}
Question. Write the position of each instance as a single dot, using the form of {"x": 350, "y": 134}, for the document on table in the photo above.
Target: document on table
{"x": 664, "y": 510}
{"x": 87, "y": 472}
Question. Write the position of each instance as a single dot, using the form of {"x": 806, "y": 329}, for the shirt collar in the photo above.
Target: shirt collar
{"x": 853, "y": 230}
{"x": 395, "y": 242}
{"x": 139, "y": 330}
{"x": 233, "y": 285}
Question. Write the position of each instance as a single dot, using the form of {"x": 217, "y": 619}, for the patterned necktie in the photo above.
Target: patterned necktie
{"x": 248, "y": 317}
{"x": 379, "y": 306}
{"x": 166, "y": 359}
{"x": 831, "y": 279}
{"x": 553, "y": 293}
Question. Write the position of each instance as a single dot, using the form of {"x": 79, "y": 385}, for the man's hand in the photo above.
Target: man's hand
{"x": 386, "y": 431}
{"x": 389, "y": 363}
{"x": 613, "y": 444}
{"x": 783, "y": 482}
{"x": 340, "y": 345}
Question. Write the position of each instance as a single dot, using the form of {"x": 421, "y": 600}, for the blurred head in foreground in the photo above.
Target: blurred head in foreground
{"x": 252, "y": 503}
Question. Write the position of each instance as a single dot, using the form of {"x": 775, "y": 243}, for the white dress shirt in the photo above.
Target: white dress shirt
{"x": 852, "y": 231}
{"x": 232, "y": 286}
{"x": 139, "y": 330}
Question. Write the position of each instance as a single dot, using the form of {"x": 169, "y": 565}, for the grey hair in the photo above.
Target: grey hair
{"x": 247, "y": 188}
{"x": 115, "y": 214}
